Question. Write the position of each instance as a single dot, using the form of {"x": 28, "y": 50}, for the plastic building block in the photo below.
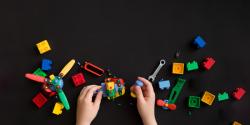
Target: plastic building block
{"x": 39, "y": 72}
{"x": 46, "y": 64}
{"x": 139, "y": 83}
{"x": 39, "y": 100}
{"x": 164, "y": 84}
{"x": 236, "y": 123}
{"x": 176, "y": 90}
{"x": 78, "y": 79}
{"x": 222, "y": 97}
{"x": 194, "y": 102}
{"x": 192, "y": 66}
{"x": 208, "y": 98}
{"x": 58, "y": 108}
{"x": 208, "y": 63}
{"x": 239, "y": 93}
{"x": 199, "y": 42}
{"x": 93, "y": 69}
{"x": 165, "y": 104}
{"x": 178, "y": 68}
{"x": 43, "y": 46}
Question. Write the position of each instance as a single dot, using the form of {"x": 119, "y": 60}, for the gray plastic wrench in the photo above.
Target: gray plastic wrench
{"x": 152, "y": 77}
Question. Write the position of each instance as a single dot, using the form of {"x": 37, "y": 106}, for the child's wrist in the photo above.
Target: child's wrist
{"x": 83, "y": 123}
{"x": 149, "y": 121}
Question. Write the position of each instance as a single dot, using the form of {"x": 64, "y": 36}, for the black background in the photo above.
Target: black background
{"x": 129, "y": 37}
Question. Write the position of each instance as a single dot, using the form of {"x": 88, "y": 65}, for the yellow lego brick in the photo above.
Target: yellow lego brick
{"x": 58, "y": 108}
{"x": 236, "y": 123}
{"x": 178, "y": 68}
{"x": 52, "y": 76}
{"x": 208, "y": 98}
{"x": 43, "y": 46}
{"x": 110, "y": 85}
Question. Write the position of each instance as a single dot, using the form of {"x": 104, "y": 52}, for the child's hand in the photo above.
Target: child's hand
{"x": 86, "y": 108}
{"x": 145, "y": 101}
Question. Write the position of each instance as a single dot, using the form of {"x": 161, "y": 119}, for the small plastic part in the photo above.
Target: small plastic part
{"x": 164, "y": 84}
{"x": 177, "y": 54}
{"x": 192, "y": 66}
{"x": 208, "y": 98}
{"x": 222, "y": 97}
{"x": 46, "y": 64}
{"x": 238, "y": 93}
{"x": 93, "y": 69}
{"x": 67, "y": 68}
{"x": 176, "y": 90}
{"x": 43, "y": 46}
{"x": 199, "y": 42}
{"x": 36, "y": 78}
{"x": 78, "y": 79}
{"x": 58, "y": 108}
{"x": 178, "y": 68}
{"x": 139, "y": 83}
{"x": 39, "y": 100}
{"x": 194, "y": 102}
{"x": 236, "y": 123}
{"x": 39, "y": 72}
{"x": 208, "y": 63}
{"x": 166, "y": 105}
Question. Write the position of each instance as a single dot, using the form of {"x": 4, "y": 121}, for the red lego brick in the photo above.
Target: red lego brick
{"x": 78, "y": 79}
{"x": 39, "y": 100}
{"x": 208, "y": 63}
{"x": 239, "y": 93}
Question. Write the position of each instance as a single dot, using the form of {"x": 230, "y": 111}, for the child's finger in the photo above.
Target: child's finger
{"x": 138, "y": 93}
{"x": 91, "y": 92}
{"x": 85, "y": 90}
{"x": 147, "y": 84}
{"x": 98, "y": 98}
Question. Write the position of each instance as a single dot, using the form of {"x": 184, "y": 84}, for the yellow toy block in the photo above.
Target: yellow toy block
{"x": 52, "y": 77}
{"x": 208, "y": 98}
{"x": 236, "y": 123}
{"x": 110, "y": 85}
{"x": 43, "y": 46}
{"x": 132, "y": 94}
{"x": 58, "y": 108}
{"x": 178, "y": 68}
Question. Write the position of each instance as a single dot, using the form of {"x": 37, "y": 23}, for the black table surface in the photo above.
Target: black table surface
{"x": 129, "y": 37}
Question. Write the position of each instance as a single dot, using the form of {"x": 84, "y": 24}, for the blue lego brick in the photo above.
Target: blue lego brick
{"x": 164, "y": 84}
{"x": 139, "y": 83}
{"x": 199, "y": 42}
{"x": 103, "y": 90}
{"x": 46, "y": 64}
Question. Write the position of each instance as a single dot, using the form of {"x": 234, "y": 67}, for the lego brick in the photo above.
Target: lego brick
{"x": 176, "y": 90}
{"x": 236, "y": 123}
{"x": 194, "y": 102}
{"x": 46, "y": 64}
{"x": 78, "y": 79}
{"x": 39, "y": 72}
{"x": 165, "y": 105}
{"x": 208, "y": 63}
{"x": 238, "y": 93}
{"x": 39, "y": 100}
{"x": 178, "y": 68}
{"x": 139, "y": 83}
{"x": 43, "y": 46}
{"x": 208, "y": 98}
{"x": 164, "y": 84}
{"x": 199, "y": 42}
{"x": 192, "y": 66}
{"x": 222, "y": 97}
{"x": 58, "y": 108}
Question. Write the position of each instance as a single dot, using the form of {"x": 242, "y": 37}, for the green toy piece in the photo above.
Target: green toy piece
{"x": 176, "y": 91}
{"x": 39, "y": 72}
{"x": 192, "y": 66}
{"x": 194, "y": 101}
{"x": 222, "y": 97}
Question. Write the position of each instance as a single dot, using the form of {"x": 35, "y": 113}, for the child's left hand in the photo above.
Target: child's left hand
{"x": 86, "y": 108}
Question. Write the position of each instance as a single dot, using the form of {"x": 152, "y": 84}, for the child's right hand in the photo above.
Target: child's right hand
{"x": 145, "y": 101}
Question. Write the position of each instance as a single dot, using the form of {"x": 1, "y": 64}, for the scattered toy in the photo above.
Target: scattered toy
{"x": 58, "y": 108}
{"x": 165, "y": 104}
{"x": 115, "y": 87}
{"x": 164, "y": 84}
{"x": 194, "y": 102}
{"x": 176, "y": 90}
{"x": 192, "y": 66}
{"x": 39, "y": 72}
{"x": 78, "y": 79}
{"x": 222, "y": 97}
{"x": 239, "y": 93}
{"x": 46, "y": 64}
{"x": 93, "y": 69}
{"x": 199, "y": 42}
{"x": 43, "y": 46}
{"x": 153, "y": 76}
{"x": 39, "y": 100}
{"x": 208, "y": 98}
{"x": 178, "y": 68}
{"x": 208, "y": 63}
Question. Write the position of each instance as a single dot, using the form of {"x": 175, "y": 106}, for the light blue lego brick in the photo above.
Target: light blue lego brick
{"x": 164, "y": 84}
{"x": 199, "y": 42}
{"x": 139, "y": 83}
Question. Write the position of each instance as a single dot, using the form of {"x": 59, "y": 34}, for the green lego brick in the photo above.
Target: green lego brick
{"x": 222, "y": 97}
{"x": 194, "y": 101}
{"x": 176, "y": 90}
{"x": 192, "y": 66}
{"x": 39, "y": 72}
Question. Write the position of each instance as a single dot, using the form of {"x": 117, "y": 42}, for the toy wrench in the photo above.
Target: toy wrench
{"x": 152, "y": 77}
